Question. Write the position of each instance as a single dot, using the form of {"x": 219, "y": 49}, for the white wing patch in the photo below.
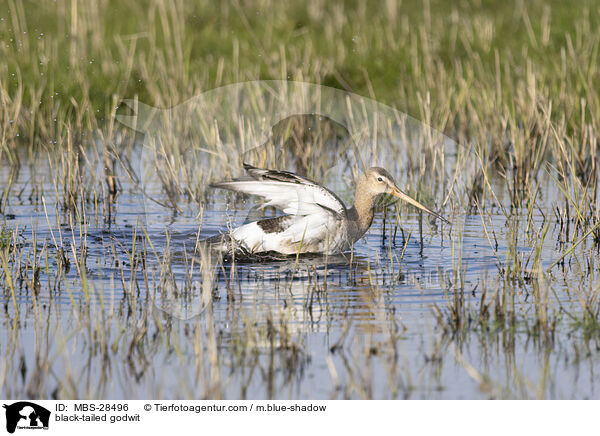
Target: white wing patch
{"x": 291, "y": 198}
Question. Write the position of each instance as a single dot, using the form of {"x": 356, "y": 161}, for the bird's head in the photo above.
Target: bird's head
{"x": 379, "y": 181}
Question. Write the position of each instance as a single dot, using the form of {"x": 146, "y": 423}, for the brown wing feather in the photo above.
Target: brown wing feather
{"x": 275, "y": 225}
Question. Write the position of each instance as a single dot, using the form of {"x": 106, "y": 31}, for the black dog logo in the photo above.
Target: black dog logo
{"x": 33, "y": 416}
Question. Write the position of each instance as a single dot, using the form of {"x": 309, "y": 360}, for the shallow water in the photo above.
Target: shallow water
{"x": 360, "y": 325}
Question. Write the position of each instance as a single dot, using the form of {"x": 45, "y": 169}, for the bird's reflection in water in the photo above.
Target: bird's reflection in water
{"x": 312, "y": 292}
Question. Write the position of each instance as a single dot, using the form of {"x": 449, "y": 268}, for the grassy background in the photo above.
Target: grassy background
{"x": 518, "y": 80}
{"x": 82, "y": 56}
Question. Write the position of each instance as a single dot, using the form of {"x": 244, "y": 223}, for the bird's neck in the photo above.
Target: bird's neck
{"x": 363, "y": 209}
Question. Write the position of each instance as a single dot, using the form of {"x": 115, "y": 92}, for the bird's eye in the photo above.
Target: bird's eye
{"x": 379, "y": 179}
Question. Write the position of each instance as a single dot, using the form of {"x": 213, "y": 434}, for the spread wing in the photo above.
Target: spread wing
{"x": 292, "y": 194}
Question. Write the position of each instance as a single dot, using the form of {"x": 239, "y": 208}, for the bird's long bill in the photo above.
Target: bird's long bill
{"x": 398, "y": 193}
